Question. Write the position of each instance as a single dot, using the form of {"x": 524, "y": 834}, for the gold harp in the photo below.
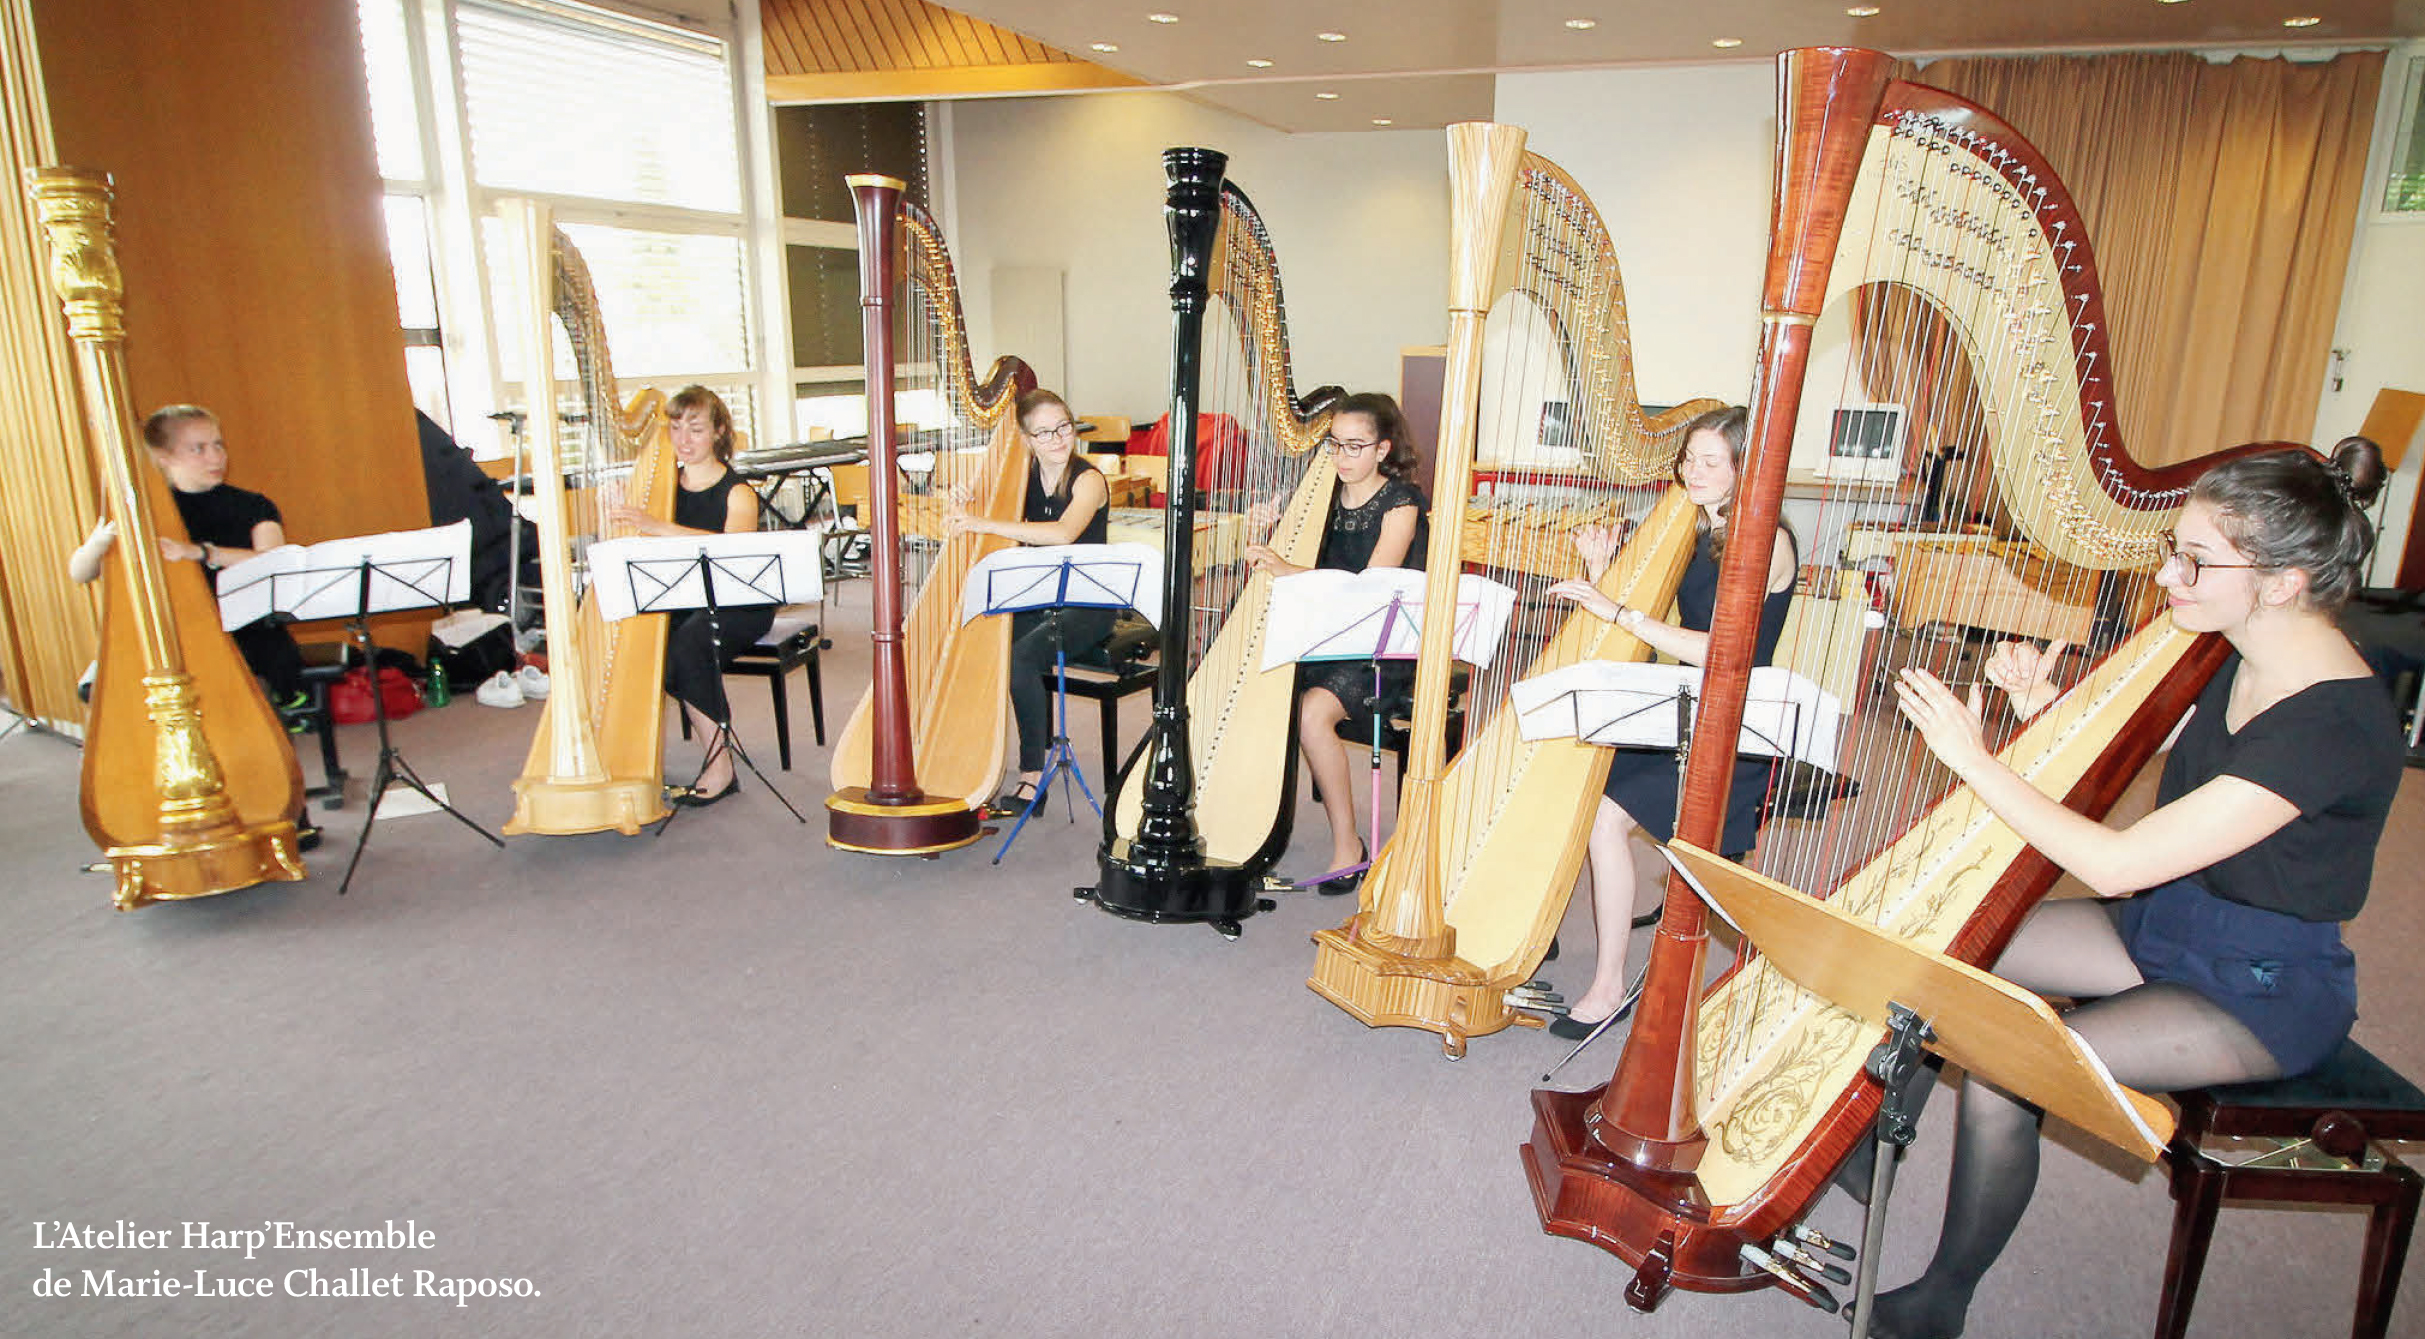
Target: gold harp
{"x": 190, "y": 786}
{"x": 1463, "y": 899}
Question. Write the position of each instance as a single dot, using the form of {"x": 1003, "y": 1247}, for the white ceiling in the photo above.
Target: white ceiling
{"x": 1425, "y": 63}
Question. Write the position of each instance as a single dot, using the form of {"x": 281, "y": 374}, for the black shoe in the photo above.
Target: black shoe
{"x": 1552, "y": 955}
{"x": 307, "y": 838}
{"x": 1651, "y": 917}
{"x": 1022, "y": 796}
{"x": 691, "y": 799}
{"x": 1347, "y": 883}
{"x": 1571, "y": 1029}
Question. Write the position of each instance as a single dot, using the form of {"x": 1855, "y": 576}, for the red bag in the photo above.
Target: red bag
{"x": 349, "y": 698}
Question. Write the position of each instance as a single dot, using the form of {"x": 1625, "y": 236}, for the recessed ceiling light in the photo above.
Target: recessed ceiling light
{"x": 1863, "y": 11}
{"x": 1726, "y": 43}
{"x": 1106, "y": 47}
{"x": 2169, "y": 2}
{"x": 1161, "y": 18}
{"x": 1259, "y": 63}
{"x": 1382, "y": 121}
{"x": 2303, "y": 21}
{"x": 1582, "y": 25}
{"x": 1331, "y": 37}
{"x": 1327, "y": 97}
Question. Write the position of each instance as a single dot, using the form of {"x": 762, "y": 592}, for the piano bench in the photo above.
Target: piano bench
{"x": 792, "y": 643}
{"x": 318, "y": 676}
{"x": 2313, "y": 1139}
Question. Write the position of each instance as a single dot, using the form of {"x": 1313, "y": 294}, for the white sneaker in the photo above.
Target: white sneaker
{"x": 499, "y": 691}
{"x": 532, "y": 680}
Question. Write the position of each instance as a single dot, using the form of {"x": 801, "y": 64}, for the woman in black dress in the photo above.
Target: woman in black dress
{"x": 711, "y": 500}
{"x": 2219, "y": 958}
{"x": 1066, "y": 503}
{"x": 1377, "y": 519}
{"x": 1641, "y": 790}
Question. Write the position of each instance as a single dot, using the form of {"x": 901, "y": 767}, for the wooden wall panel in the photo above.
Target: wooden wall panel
{"x": 249, "y": 228}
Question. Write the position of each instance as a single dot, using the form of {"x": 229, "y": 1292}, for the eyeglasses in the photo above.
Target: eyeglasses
{"x": 1339, "y": 447}
{"x": 2189, "y": 564}
{"x": 1057, "y": 431}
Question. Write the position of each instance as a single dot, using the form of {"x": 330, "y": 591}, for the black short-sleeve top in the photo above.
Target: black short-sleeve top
{"x": 1352, "y": 532}
{"x": 2334, "y": 750}
{"x": 1043, "y": 506}
{"x": 224, "y": 516}
{"x": 707, "y": 508}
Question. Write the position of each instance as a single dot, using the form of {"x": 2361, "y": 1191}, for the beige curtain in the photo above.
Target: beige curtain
{"x": 2221, "y": 201}
{"x": 49, "y": 627}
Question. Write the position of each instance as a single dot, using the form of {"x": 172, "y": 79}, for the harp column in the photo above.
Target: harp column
{"x": 891, "y": 815}
{"x": 1162, "y": 874}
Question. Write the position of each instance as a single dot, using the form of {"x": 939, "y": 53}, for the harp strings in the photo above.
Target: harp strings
{"x": 1951, "y": 315}
{"x": 1562, "y": 443}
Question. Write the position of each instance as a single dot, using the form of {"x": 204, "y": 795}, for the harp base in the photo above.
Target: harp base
{"x": 567, "y": 808}
{"x": 1657, "y": 1222}
{"x": 221, "y": 863}
{"x": 1443, "y": 995}
{"x": 1209, "y": 890}
{"x": 854, "y": 822}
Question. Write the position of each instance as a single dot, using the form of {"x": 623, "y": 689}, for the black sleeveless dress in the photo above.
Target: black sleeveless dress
{"x": 695, "y": 661}
{"x": 1643, "y": 782}
{"x": 1348, "y": 539}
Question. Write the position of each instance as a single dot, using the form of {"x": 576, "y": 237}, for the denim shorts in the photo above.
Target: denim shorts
{"x": 2290, "y": 981}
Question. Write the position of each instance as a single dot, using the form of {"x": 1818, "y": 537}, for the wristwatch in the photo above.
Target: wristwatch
{"x": 210, "y": 557}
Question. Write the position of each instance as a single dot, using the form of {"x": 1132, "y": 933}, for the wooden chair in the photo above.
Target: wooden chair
{"x": 2314, "y": 1139}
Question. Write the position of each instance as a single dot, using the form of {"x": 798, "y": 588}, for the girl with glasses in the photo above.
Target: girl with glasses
{"x": 1066, "y": 504}
{"x": 1641, "y": 789}
{"x": 2212, "y": 952}
{"x": 1377, "y": 519}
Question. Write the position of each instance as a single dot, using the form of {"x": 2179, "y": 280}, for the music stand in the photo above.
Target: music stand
{"x": 650, "y": 574}
{"x": 353, "y": 579}
{"x": 1055, "y": 577}
{"x": 1990, "y": 1027}
{"x": 1622, "y": 703}
{"x": 1376, "y": 615}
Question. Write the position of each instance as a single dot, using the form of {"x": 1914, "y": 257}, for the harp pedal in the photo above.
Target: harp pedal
{"x": 1792, "y": 1280}
{"x": 1538, "y": 996}
{"x": 1813, "y": 1239}
{"x": 1785, "y": 1249}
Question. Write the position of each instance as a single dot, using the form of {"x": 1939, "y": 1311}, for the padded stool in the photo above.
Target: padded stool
{"x": 2307, "y": 1140}
{"x": 792, "y": 643}
{"x": 1124, "y": 664}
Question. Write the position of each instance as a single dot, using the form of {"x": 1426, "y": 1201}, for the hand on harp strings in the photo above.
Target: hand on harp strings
{"x": 1596, "y": 544}
{"x": 2025, "y": 673}
{"x": 1952, "y": 726}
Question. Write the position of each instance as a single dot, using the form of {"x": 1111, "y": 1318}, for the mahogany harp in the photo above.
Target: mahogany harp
{"x": 190, "y": 786}
{"x": 1464, "y": 897}
{"x": 924, "y": 747}
{"x": 1925, "y": 249}
{"x": 1263, "y": 480}
{"x": 597, "y": 761}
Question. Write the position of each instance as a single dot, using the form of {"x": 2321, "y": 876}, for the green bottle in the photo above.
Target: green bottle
{"x": 438, "y": 693}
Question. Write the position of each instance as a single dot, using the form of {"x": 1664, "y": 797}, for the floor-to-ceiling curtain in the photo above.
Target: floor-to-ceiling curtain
{"x": 2221, "y": 200}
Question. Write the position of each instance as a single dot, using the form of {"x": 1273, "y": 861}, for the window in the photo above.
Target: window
{"x": 2404, "y": 184}
{"x": 627, "y": 129}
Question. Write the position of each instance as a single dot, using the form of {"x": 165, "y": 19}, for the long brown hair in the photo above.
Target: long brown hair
{"x": 1389, "y": 423}
{"x": 719, "y": 418}
{"x": 1027, "y": 405}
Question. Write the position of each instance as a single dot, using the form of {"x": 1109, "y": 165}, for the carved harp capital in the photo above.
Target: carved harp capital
{"x": 73, "y": 207}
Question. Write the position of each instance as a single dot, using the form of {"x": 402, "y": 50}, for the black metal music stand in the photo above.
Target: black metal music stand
{"x": 662, "y": 574}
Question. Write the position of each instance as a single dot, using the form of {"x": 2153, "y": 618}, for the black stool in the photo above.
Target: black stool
{"x": 319, "y": 675}
{"x": 2307, "y": 1140}
{"x": 1124, "y": 664}
{"x": 792, "y": 643}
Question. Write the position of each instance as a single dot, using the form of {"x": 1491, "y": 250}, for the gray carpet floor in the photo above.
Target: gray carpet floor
{"x": 730, "y": 1082}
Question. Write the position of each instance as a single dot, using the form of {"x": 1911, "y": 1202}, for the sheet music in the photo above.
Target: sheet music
{"x": 410, "y": 569}
{"x": 1045, "y": 576}
{"x": 1377, "y": 614}
{"x": 649, "y": 574}
{"x": 1633, "y": 704}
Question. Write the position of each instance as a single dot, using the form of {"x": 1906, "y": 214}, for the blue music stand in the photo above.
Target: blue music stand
{"x": 1060, "y": 576}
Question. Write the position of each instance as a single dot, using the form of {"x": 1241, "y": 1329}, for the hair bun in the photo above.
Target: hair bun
{"x": 2356, "y": 466}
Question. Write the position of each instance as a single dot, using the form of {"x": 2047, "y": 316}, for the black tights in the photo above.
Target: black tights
{"x": 2158, "y": 1038}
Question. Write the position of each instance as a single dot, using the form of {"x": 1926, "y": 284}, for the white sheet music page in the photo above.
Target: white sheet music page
{"x": 1632, "y": 704}
{"x": 1377, "y": 614}
{"x": 1044, "y": 576}
{"x": 410, "y": 569}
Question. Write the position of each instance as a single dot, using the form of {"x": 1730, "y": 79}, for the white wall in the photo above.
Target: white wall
{"x": 1359, "y": 222}
{"x": 1678, "y": 162}
{"x": 2380, "y": 325}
